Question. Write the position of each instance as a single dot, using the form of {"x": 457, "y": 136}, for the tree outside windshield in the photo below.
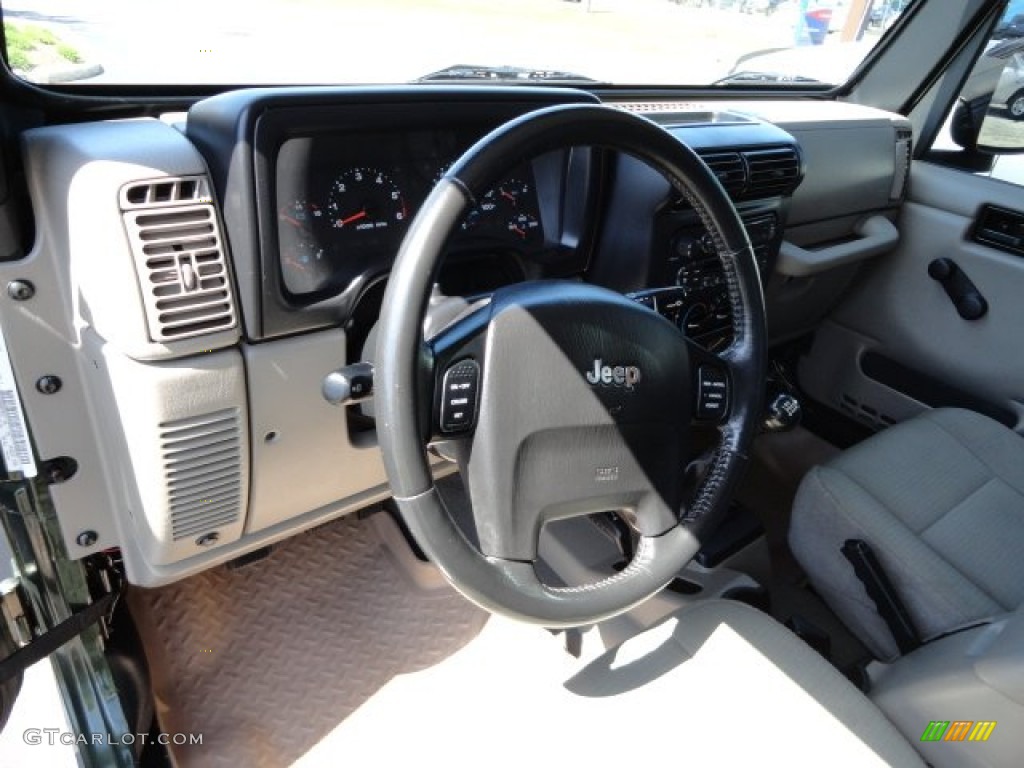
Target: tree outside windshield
{"x": 656, "y": 42}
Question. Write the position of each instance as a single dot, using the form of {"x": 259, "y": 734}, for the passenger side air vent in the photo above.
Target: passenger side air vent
{"x": 901, "y": 170}
{"x": 203, "y": 470}
{"x": 772, "y": 172}
{"x": 730, "y": 170}
{"x": 179, "y": 259}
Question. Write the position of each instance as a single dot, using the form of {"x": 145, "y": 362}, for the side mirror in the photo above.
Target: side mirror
{"x": 968, "y": 118}
{"x": 1002, "y": 130}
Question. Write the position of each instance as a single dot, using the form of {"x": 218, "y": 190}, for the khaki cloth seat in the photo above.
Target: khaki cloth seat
{"x": 940, "y": 500}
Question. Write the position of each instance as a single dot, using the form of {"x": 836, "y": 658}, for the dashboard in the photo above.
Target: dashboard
{"x": 331, "y": 188}
{"x": 215, "y": 267}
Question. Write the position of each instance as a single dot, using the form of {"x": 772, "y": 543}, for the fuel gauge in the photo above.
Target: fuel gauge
{"x": 302, "y": 257}
{"x": 300, "y": 214}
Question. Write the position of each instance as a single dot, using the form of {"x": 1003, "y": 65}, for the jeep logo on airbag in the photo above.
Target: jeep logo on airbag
{"x": 627, "y": 376}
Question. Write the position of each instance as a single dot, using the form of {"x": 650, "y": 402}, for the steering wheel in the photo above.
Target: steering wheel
{"x": 563, "y": 399}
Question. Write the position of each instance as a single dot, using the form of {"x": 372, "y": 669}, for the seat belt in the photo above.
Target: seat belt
{"x": 52, "y": 639}
{"x": 882, "y": 593}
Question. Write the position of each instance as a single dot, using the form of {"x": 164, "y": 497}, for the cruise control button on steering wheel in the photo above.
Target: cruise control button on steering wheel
{"x": 459, "y": 390}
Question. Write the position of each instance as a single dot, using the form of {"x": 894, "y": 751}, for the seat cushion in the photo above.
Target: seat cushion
{"x": 940, "y": 499}
{"x": 718, "y": 683}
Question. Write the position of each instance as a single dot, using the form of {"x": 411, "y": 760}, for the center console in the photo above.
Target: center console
{"x": 672, "y": 264}
{"x": 694, "y": 295}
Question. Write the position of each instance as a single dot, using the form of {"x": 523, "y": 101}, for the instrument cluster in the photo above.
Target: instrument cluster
{"x": 344, "y": 203}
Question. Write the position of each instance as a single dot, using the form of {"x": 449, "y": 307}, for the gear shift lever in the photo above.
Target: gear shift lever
{"x": 782, "y": 414}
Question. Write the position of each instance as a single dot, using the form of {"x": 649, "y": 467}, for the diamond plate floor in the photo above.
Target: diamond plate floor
{"x": 328, "y": 654}
{"x": 267, "y": 660}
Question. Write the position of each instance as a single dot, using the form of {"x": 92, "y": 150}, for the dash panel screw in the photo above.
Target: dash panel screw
{"x": 49, "y": 384}
{"x": 21, "y": 290}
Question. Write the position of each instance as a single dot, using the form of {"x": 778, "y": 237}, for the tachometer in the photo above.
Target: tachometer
{"x": 365, "y": 200}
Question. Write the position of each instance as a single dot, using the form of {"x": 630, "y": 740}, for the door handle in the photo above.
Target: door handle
{"x": 966, "y": 297}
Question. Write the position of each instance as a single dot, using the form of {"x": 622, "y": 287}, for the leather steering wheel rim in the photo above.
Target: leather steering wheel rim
{"x": 406, "y": 369}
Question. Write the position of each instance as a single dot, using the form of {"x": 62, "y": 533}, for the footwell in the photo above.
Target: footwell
{"x": 265, "y": 661}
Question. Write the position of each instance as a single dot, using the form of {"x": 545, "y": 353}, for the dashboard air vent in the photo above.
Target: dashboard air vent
{"x": 730, "y": 170}
{"x": 179, "y": 258}
{"x": 772, "y": 172}
{"x": 901, "y": 170}
{"x": 178, "y": 190}
{"x": 203, "y": 470}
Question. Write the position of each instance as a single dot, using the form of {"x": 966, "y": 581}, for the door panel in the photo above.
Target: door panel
{"x": 899, "y": 325}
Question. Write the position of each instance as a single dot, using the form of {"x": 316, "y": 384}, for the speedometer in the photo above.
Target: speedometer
{"x": 365, "y": 200}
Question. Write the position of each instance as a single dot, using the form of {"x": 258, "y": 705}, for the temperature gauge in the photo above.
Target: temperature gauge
{"x": 302, "y": 256}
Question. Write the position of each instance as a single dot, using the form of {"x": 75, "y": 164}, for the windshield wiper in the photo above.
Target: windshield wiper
{"x": 502, "y": 74}
{"x": 748, "y": 77}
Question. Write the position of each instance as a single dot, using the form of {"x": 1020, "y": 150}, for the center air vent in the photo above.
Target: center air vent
{"x": 179, "y": 258}
{"x": 772, "y": 172}
{"x": 730, "y": 170}
{"x": 752, "y": 174}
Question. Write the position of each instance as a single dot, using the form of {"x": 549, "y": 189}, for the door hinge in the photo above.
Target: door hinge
{"x": 33, "y": 644}
{"x": 15, "y": 614}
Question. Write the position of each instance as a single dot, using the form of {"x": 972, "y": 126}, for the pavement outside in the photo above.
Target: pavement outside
{"x": 38, "y": 707}
{"x": 346, "y": 41}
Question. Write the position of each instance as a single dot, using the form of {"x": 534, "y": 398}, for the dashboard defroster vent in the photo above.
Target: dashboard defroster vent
{"x": 203, "y": 471}
{"x": 183, "y": 276}
{"x": 772, "y": 172}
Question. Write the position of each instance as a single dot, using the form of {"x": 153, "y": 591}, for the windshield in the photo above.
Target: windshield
{"x": 622, "y": 42}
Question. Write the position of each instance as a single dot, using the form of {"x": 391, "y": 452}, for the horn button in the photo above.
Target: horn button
{"x": 585, "y": 406}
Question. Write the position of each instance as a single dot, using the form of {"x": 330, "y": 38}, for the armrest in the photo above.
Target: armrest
{"x": 875, "y": 235}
